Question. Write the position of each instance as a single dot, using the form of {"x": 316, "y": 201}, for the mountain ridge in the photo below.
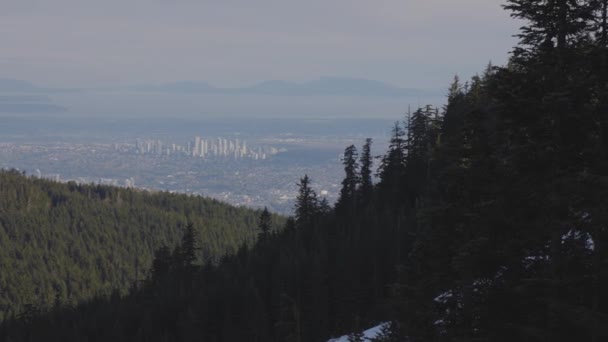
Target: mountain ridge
{"x": 322, "y": 86}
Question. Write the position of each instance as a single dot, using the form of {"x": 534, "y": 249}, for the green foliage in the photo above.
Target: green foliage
{"x": 306, "y": 206}
{"x": 558, "y": 23}
{"x": 67, "y": 242}
{"x": 392, "y": 167}
{"x": 351, "y": 181}
{"x": 367, "y": 162}
{"x": 264, "y": 224}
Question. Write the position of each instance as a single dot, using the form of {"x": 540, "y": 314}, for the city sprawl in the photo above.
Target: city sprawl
{"x": 225, "y": 161}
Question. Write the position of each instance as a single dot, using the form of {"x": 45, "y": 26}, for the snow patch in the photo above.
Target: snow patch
{"x": 444, "y": 297}
{"x": 367, "y": 334}
{"x": 578, "y": 235}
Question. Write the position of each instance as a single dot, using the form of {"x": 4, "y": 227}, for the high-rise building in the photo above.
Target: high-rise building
{"x": 197, "y": 147}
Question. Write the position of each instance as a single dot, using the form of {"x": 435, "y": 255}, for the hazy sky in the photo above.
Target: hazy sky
{"x": 414, "y": 43}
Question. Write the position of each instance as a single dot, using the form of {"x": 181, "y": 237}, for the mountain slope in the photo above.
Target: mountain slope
{"x": 68, "y": 242}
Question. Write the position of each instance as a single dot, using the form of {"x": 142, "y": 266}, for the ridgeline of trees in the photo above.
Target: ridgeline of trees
{"x": 489, "y": 223}
{"x": 63, "y": 243}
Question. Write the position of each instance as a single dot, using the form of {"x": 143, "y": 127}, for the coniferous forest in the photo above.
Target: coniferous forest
{"x": 63, "y": 243}
{"x": 488, "y": 222}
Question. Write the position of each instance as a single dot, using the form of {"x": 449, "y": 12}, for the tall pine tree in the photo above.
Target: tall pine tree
{"x": 351, "y": 180}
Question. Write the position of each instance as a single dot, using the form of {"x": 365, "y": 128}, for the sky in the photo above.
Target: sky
{"x": 409, "y": 43}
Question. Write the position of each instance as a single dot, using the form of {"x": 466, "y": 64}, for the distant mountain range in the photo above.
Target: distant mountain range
{"x": 330, "y": 86}
{"x": 324, "y": 86}
{"x": 8, "y": 85}
{"x": 36, "y": 100}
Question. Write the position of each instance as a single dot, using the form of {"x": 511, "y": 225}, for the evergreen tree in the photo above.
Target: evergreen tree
{"x": 601, "y": 23}
{"x": 264, "y": 224}
{"x": 454, "y": 92}
{"x": 422, "y": 138}
{"x": 552, "y": 23}
{"x": 366, "y": 161}
{"x": 351, "y": 180}
{"x": 188, "y": 247}
{"x": 324, "y": 207}
{"x": 162, "y": 263}
{"x": 306, "y": 205}
{"x": 392, "y": 167}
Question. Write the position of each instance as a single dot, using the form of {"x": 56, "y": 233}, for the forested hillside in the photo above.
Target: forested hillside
{"x": 62, "y": 243}
{"x": 488, "y": 223}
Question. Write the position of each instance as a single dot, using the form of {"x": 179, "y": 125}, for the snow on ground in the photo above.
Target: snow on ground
{"x": 367, "y": 334}
{"x": 580, "y": 235}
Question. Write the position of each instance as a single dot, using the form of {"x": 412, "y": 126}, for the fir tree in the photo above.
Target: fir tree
{"x": 351, "y": 180}
{"x": 162, "y": 263}
{"x": 454, "y": 91}
{"x": 324, "y": 207}
{"x": 264, "y": 224}
{"x": 188, "y": 247}
{"x": 306, "y": 205}
{"x": 366, "y": 161}
{"x": 392, "y": 167}
{"x": 554, "y": 23}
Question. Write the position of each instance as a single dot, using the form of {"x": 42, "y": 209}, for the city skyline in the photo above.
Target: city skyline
{"x": 206, "y": 148}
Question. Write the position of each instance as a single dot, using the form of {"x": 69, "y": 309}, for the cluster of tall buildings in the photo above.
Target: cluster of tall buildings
{"x": 205, "y": 148}
{"x": 218, "y": 147}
